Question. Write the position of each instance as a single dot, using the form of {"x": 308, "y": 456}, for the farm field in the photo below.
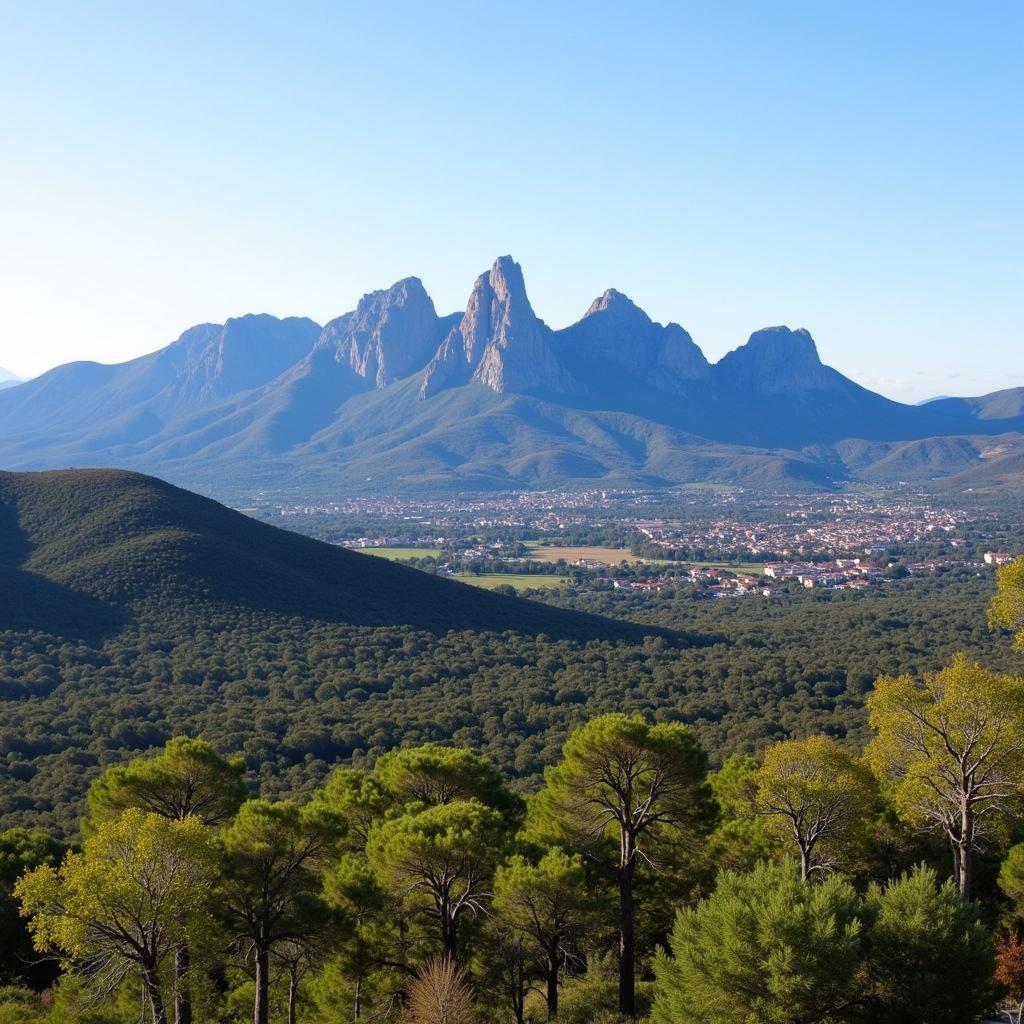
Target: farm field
{"x": 397, "y": 554}
{"x": 490, "y": 580}
{"x": 612, "y": 556}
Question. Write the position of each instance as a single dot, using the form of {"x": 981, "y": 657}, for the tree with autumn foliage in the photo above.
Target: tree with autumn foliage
{"x": 1010, "y": 969}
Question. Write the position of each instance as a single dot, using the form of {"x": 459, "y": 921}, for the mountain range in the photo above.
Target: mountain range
{"x": 394, "y": 397}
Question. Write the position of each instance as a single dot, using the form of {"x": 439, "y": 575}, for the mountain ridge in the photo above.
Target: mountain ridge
{"x": 395, "y": 395}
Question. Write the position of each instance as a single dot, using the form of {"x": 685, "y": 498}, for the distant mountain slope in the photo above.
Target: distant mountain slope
{"x": 89, "y": 550}
{"x": 86, "y": 408}
{"x": 394, "y": 397}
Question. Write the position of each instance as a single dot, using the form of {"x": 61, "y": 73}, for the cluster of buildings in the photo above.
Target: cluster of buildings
{"x": 542, "y": 510}
{"x": 998, "y": 558}
{"x": 815, "y": 526}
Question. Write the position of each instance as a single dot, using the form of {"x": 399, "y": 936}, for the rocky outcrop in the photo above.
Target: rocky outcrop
{"x": 499, "y": 342}
{"x": 390, "y": 334}
{"x": 777, "y": 361}
{"x": 214, "y": 360}
{"x": 615, "y": 330}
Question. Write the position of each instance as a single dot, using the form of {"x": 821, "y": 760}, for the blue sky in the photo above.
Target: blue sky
{"x": 855, "y": 169}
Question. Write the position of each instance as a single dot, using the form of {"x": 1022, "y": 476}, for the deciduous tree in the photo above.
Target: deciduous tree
{"x": 440, "y": 994}
{"x": 125, "y": 903}
{"x": 1010, "y": 969}
{"x": 1007, "y": 607}
{"x": 953, "y": 748}
{"x": 188, "y": 777}
{"x": 816, "y": 795}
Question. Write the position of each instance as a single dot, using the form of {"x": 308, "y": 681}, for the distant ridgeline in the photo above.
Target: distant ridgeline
{"x": 393, "y": 397}
{"x": 132, "y": 611}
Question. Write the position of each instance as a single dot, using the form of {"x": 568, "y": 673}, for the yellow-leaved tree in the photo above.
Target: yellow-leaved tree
{"x": 817, "y": 795}
{"x": 125, "y": 903}
{"x": 952, "y": 747}
{"x": 1007, "y": 608}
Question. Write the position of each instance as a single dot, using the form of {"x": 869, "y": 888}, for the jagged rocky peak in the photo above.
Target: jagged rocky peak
{"x": 617, "y": 305}
{"x": 499, "y": 341}
{"x": 390, "y": 334}
{"x": 777, "y": 359}
{"x": 615, "y": 328}
{"x": 243, "y": 353}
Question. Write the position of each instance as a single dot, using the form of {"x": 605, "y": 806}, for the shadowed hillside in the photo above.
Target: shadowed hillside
{"x": 87, "y": 550}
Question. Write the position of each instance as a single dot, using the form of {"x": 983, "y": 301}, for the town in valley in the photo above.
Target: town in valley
{"x": 714, "y": 543}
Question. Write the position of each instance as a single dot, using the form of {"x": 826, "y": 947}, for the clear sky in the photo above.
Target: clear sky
{"x": 856, "y": 169}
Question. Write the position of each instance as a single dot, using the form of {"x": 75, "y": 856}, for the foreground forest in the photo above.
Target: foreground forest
{"x": 811, "y": 884}
{"x": 133, "y": 611}
{"x": 405, "y": 800}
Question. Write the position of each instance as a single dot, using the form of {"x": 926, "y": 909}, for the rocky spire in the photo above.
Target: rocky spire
{"x": 499, "y": 342}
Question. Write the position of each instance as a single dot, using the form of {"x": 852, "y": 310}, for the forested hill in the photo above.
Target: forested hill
{"x": 85, "y": 552}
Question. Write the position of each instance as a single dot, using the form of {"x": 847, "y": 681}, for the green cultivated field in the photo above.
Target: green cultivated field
{"x": 490, "y": 580}
{"x": 397, "y": 554}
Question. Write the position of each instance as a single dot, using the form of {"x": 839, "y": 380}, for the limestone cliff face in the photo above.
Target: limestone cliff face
{"x": 778, "y": 361}
{"x": 499, "y": 342}
{"x": 615, "y": 330}
{"x": 390, "y": 334}
{"x": 213, "y": 360}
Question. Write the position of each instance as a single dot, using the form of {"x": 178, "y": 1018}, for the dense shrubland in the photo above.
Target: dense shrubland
{"x": 295, "y": 695}
{"x": 813, "y": 884}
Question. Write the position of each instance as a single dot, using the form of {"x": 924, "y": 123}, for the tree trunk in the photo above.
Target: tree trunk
{"x": 293, "y": 991}
{"x": 552, "y": 985}
{"x": 519, "y": 990}
{"x": 963, "y": 849}
{"x": 627, "y": 950}
{"x": 151, "y": 986}
{"x": 357, "y": 1006}
{"x": 805, "y": 863}
{"x": 182, "y": 996}
{"x": 261, "y": 1009}
{"x": 449, "y": 937}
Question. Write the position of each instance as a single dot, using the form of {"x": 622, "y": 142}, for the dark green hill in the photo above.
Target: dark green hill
{"x": 86, "y": 551}
{"x": 132, "y": 611}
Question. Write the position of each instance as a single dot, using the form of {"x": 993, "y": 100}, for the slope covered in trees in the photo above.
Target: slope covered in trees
{"x": 139, "y": 633}
{"x": 87, "y": 551}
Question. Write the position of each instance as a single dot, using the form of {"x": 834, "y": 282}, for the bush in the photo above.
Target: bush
{"x": 765, "y": 946}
